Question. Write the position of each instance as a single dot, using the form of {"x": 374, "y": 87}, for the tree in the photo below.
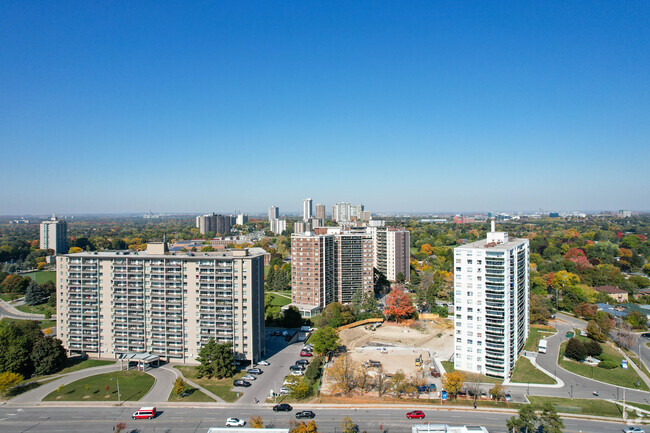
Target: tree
{"x": 604, "y": 322}
{"x": 301, "y": 390}
{"x": 120, "y": 427}
{"x": 593, "y": 348}
{"x": 291, "y": 318}
{"x": 575, "y": 350}
{"x": 216, "y": 360}
{"x": 401, "y": 385}
{"x": 400, "y": 278}
{"x": 179, "y": 386}
{"x": 8, "y": 380}
{"x": 14, "y": 283}
{"x": 347, "y": 426}
{"x": 16, "y": 344}
{"x": 399, "y": 305}
{"x": 549, "y": 420}
{"x": 325, "y": 340}
{"x": 453, "y": 382}
{"x": 595, "y": 332}
{"x": 474, "y": 386}
{"x": 585, "y": 310}
{"x": 526, "y": 421}
{"x": 310, "y": 427}
{"x": 342, "y": 373}
{"x": 637, "y": 320}
{"x": 382, "y": 382}
{"x": 496, "y": 391}
{"x": 256, "y": 421}
{"x": 48, "y": 356}
{"x": 539, "y": 309}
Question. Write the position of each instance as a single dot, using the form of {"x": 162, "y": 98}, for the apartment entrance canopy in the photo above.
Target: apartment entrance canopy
{"x": 142, "y": 359}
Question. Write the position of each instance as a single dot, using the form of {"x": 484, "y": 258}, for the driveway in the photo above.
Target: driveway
{"x": 7, "y": 310}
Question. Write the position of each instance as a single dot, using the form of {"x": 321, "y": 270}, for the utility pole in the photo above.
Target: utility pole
{"x": 571, "y": 391}
{"x": 623, "y": 404}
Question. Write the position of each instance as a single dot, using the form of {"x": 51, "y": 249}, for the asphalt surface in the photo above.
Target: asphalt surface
{"x": 199, "y": 420}
{"x": 7, "y": 311}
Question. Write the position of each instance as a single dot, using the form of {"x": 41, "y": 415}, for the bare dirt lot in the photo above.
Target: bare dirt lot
{"x": 397, "y": 346}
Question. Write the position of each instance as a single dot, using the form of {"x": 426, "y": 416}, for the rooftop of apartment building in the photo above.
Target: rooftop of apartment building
{"x": 499, "y": 242}
{"x": 160, "y": 250}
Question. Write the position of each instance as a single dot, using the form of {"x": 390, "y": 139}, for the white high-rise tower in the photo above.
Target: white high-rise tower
{"x": 307, "y": 209}
{"x": 491, "y": 303}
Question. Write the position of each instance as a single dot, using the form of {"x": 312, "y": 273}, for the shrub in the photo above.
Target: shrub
{"x": 608, "y": 364}
{"x": 593, "y": 348}
{"x": 575, "y": 350}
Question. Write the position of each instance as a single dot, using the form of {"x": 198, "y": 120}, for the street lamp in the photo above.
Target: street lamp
{"x": 119, "y": 396}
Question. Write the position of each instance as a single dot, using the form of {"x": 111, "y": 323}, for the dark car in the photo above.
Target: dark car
{"x": 646, "y": 335}
{"x": 297, "y": 368}
{"x": 282, "y": 407}
{"x": 302, "y": 362}
{"x": 416, "y": 414}
{"x": 430, "y": 387}
{"x": 243, "y": 383}
{"x": 305, "y": 353}
{"x": 254, "y": 371}
{"x": 305, "y": 414}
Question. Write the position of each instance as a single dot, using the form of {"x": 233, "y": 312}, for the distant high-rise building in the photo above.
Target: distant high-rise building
{"x": 366, "y": 215}
{"x": 278, "y": 226}
{"x": 242, "y": 219}
{"x": 54, "y": 235}
{"x": 302, "y": 226}
{"x": 355, "y": 212}
{"x": 345, "y": 212}
{"x": 274, "y": 213}
{"x": 306, "y": 209}
{"x": 491, "y": 303}
{"x": 214, "y": 223}
{"x": 319, "y": 211}
{"x": 391, "y": 251}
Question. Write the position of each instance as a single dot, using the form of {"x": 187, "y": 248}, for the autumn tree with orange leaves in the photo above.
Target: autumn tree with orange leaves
{"x": 399, "y": 305}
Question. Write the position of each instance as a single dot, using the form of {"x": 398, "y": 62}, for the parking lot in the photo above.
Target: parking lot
{"x": 282, "y": 356}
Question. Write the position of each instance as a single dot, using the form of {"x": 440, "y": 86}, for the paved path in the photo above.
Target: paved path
{"x": 177, "y": 372}
{"x": 162, "y": 387}
{"x": 7, "y": 310}
{"x": 38, "y": 394}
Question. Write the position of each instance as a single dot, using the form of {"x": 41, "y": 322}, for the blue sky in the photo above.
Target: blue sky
{"x": 403, "y": 106}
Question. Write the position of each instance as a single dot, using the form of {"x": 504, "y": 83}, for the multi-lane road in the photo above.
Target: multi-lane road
{"x": 199, "y": 420}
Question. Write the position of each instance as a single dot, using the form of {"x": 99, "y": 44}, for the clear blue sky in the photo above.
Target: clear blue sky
{"x": 402, "y": 106}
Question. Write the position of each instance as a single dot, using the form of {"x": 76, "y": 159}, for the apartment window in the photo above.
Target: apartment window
{"x": 469, "y": 261}
{"x": 470, "y": 309}
{"x": 458, "y": 316}
{"x": 470, "y": 333}
{"x": 459, "y": 308}
{"x": 459, "y": 340}
{"x": 470, "y": 317}
{"x": 458, "y": 268}
{"x": 470, "y": 341}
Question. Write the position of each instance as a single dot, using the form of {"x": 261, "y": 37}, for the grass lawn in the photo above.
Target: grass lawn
{"x": 24, "y": 387}
{"x": 8, "y": 297}
{"x": 133, "y": 386}
{"x": 537, "y": 333}
{"x": 586, "y": 406}
{"x": 639, "y": 405}
{"x": 219, "y": 387}
{"x": 647, "y": 344}
{"x": 72, "y": 364}
{"x": 193, "y": 395}
{"x": 617, "y": 376}
{"x": 469, "y": 376}
{"x": 525, "y": 372}
{"x": 41, "y": 323}
{"x": 635, "y": 359}
{"x": 36, "y": 309}
{"x": 42, "y": 276}
{"x": 279, "y": 301}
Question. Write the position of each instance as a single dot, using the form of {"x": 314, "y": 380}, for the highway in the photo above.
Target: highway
{"x": 199, "y": 420}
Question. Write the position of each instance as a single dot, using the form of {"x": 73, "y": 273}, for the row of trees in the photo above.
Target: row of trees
{"x": 347, "y": 425}
{"x": 26, "y": 351}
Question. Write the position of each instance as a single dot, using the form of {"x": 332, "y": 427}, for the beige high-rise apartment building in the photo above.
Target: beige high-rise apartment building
{"x": 319, "y": 212}
{"x": 54, "y": 235}
{"x": 220, "y": 224}
{"x": 170, "y": 305}
{"x": 391, "y": 251}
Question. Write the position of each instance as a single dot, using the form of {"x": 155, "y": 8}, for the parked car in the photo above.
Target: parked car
{"x": 371, "y": 363}
{"x": 508, "y": 397}
{"x": 235, "y": 422}
{"x": 298, "y": 367}
{"x": 305, "y": 414}
{"x": 282, "y": 407}
{"x": 305, "y": 353}
{"x": 302, "y": 362}
{"x": 148, "y": 412}
{"x": 254, "y": 371}
{"x": 633, "y": 429}
{"x": 429, "y": 387}
{"x": 416, "y": 414}
{"x": 645, "y": 335}
{"x": 264, "y": 363}
{"x": 297, "y": 373}
{"x": 284, "y": 390}
{"x": 249, "y": 377}
{"x": 240, "y": 382}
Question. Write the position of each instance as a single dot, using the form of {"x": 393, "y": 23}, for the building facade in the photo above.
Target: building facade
{"x": 307, "y": 209}
{"x": 242, "y": 219}
{"x": 391, "y": 251}
{"x": 54, "y": 235}
{"x": 214, "y": 223}
{"x": 491, "y": 304}
{"x": 319, "y": 211}
{"x": 278, "y": 226}
{"x": 112, "y": 303}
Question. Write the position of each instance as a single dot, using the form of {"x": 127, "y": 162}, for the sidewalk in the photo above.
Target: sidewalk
{"x": 640, "y": 372}
{"x": 533, "y": 360}
{"x": 200, "y": 388}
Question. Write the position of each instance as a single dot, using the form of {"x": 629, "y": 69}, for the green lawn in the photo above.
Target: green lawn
{"x": 8, "y": 297}
{"x": 133, "y": 386}
{"x": 585, "y": 407}
{"x": 76, "y": 364}
{"x": 469, "y": 376}
{"x": 536, "y": 334}
{"x": 617, "y": 376}
{"x": 525, "y": 372}
{"x": 36, "y": 309}
{"x": 639, "y": 405}
{"x": 193, "y": 395}
{"x": 24, "y": 387}
{"x": 41, "y": 323}
{"x": 635, "y": 359}
{"x": 42, "y": 276}
{"x": 279, "y": 301}
{"x": 219, "y": 387}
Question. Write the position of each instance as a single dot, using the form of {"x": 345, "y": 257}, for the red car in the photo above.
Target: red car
{"x": 305, "y": 353}
{"x": 417, "y": 414}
